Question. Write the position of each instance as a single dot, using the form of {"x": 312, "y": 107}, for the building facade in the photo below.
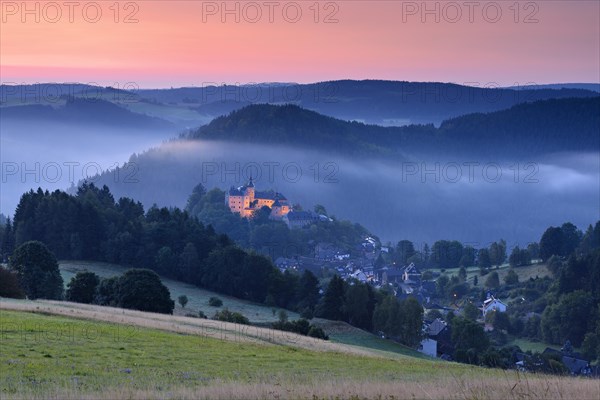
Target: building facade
{"x": 245, "y": 200}
{"x": 493, "y": 304}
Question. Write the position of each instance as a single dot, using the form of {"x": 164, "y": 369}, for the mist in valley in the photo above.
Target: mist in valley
{"x": 54, "y": 155}
{"x": 421, "y": 197}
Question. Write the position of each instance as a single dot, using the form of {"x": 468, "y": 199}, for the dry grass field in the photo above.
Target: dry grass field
{"x": 59, "y": 350}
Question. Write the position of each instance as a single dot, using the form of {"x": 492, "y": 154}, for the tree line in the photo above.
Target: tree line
{"x": 34, "y": 273}
{"x": 91, "y": 225}
{"x": 378, "y": 311}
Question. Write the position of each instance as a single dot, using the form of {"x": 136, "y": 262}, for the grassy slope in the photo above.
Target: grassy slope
{"x": 526, "y": 345}
{"x": 40, "y": 351}
{"x": 338, "y": 332}
{"x": 524, "y": 273}
{"x": 173, "y": 113}
{"x": 198, "y": 298}
{"x": 50, "y": 356}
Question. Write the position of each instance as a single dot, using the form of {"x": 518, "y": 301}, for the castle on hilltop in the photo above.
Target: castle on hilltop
{"x": 245, "y": 200}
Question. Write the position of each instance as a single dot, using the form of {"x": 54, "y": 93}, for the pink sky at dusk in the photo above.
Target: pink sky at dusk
{"x": 173, "y": 43}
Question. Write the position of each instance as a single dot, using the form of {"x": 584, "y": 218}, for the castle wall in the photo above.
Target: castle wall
{"x": 244, "y": 204}
{"x": 236, "y": 203}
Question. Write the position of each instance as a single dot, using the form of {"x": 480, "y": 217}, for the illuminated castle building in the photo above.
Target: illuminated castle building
{"x": 245, "y": 200}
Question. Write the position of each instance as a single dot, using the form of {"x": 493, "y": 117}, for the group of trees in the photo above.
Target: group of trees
{"x": 448, "y": 254}
{"x": 560, "y": 241}
{"x": 92, "y": 226}
{"x": 33, "y": 272}
{"x": 136, "y": 289}
{"x": 452, "y": 254}
{"x": 362, "y": 306}
{"x": 573, "y": 311}
{"x": 519, "y": 257}
{"x": 451, "y": 288}
{"x": 9, "y": 285}
{"x": 401, "y": 320}
{"x": 567, "y": 306}
{"x": 494, "y": 255}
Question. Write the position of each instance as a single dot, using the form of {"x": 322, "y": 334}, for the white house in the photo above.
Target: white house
{"x": 359, "y": 275}
{"x": 428, "y": 347}
{"x": 493, "y": 304}
{"x": 411, "y": 274}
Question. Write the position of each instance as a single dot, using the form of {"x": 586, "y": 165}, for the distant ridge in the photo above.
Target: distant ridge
{"x": 595, "y": 87}
{"x": 83, "y": 111}
{"x": 549, "y": 125}
{"x": 386, "y": 103}
{"x": 379, "y": 102}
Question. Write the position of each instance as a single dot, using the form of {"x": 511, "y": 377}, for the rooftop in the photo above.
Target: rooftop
{"x": 300, "y": 215}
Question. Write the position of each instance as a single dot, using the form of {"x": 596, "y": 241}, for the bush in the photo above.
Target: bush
{"x": 229, "y": 316}
{"x": 511, "y": 277}
{"x": 82, "y": 287}
{"x": 107, "y": 292}
{"x": 317, "y": 333}
{"x": 492, "y": 281}
{"x": 142, "y": 289}
{"x": 182, "y": 300}
{"x": 9, "y": 285}
{"x": 215, "y": 302}
{"x": 557, "y": 367}
{"x": 301, "y": 327}
{"x": 202, "y": 315}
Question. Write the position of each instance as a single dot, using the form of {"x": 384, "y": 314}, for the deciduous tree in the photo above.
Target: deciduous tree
{"x": 38, "y": 272}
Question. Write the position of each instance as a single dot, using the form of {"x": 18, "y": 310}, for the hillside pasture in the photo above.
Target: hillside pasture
{"x": 259, "y": 314}
{"x": 198, "y": 298}
{"x": 54, "y": 350}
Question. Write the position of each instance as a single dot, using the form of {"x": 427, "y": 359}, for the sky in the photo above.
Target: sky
{"x": 194, "y": 43}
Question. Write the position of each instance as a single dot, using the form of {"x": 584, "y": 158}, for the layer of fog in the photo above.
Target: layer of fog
{"x": 420, "y": 198}
{"x": 52, "y": 156}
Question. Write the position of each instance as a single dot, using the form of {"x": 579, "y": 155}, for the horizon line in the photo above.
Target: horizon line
{"x": 206, "y": 84}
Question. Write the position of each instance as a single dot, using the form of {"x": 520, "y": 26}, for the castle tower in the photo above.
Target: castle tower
{"x": 276, "y": 207}
{"x": 250, "y": 190}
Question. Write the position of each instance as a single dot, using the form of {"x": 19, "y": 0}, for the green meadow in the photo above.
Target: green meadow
{"x": 44, "y": 355}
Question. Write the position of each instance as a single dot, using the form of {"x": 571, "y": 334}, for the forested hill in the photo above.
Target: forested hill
{"x": 84, "y": 111}
{"x": 542, "y": 126}
{"x": 549, "y": 125}
{"x": 292, "y": 125}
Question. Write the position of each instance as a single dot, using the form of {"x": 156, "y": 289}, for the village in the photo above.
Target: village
{"x": 408, "y": 281}
{"x": 365, "y": 264}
